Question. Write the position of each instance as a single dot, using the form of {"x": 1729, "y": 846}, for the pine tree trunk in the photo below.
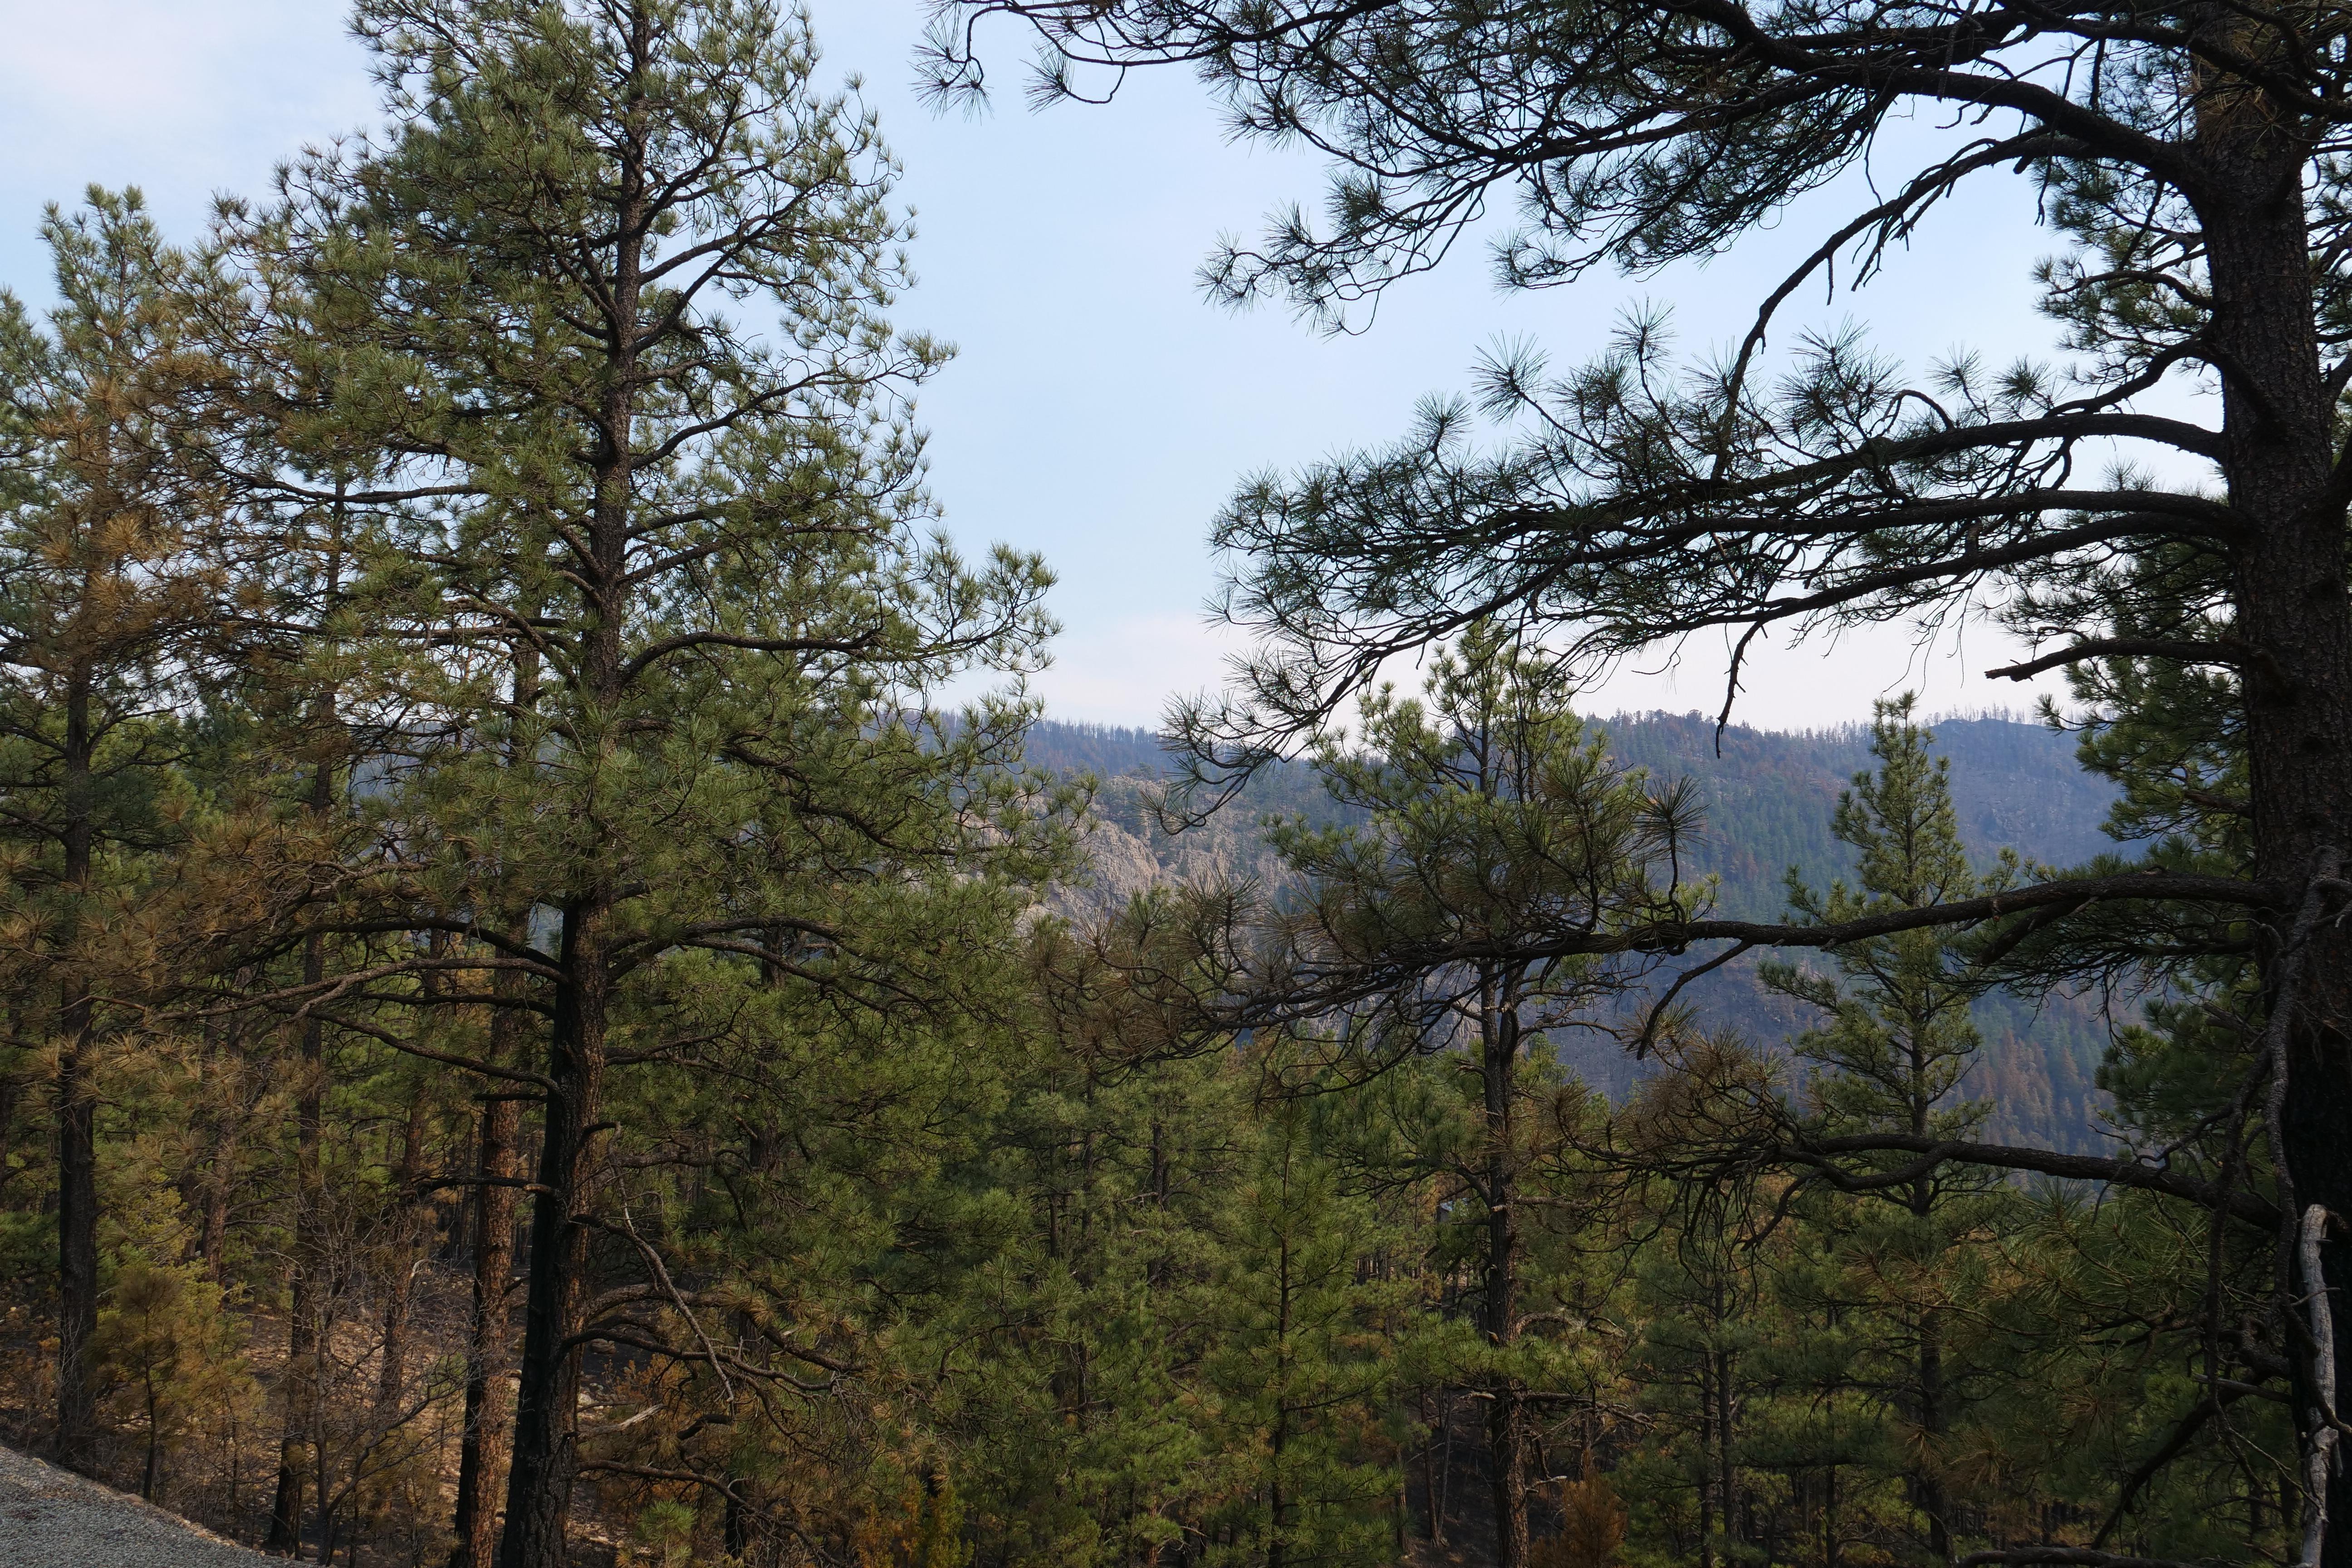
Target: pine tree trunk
{"x": 76, "y": 1239}
{"x": 1832, "y": 1539}
{"x": 392, "y": 1369}
{"x": 735, "y": 1533}
{"x": 1932, "y": 1425}
{"x": 1726, "y": 1482}
{"x": 151, "y": 1476}
{"x": 303, "y": 1348}
{"x": 1506, "y": 1448}
{"x": 1506, "y": 1437}
{"x": 490, "y": 1410}
{"x": 482, "y": 1451}
{"x": 77, "y": 1110}
{"x": 547, "y": 1398}
{"x": 1706, "y": 1474}
{"x": 2295, "y": 610}
{"x": 545, "y": 1461}
{"x": 303, "y": 1328}
{"x": 1441, "y": 1485}
{"x": 1279, "y": 1504}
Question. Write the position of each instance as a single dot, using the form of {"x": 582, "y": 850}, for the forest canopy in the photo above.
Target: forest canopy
{"x": 545, "y": 1023}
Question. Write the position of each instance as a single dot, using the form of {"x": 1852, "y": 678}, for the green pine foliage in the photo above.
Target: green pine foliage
{"x": 1768, "y": 801}
{"x": 534, "y": 1031}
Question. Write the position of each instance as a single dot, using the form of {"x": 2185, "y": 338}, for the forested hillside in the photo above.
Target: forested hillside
{"x": 1767, "y": 796}
{"x": 1767, "y": 801}
{"x": 1770, "y": 797}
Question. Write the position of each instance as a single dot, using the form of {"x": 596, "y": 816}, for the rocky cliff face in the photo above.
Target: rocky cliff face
{"x": 1129, "y": 852}
{"x": 1769, "y": 799}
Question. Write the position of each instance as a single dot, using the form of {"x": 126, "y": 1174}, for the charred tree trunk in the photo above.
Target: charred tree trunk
{"x": 545, "y": 1461}
{"x": 482, "y": 1450}
{"x": 309, "y": 1264}
{"x": 305, "y": 1295}
{"x": 77, "y": 1238}
{"x": 76, "y": 1107}
{"x": 400, "y": 1271}
{"x": 1506, "y": 1423}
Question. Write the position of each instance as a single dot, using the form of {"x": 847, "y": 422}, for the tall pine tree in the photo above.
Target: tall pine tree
{"x": 107, "y": 576}
{"x": 702, "y": 535}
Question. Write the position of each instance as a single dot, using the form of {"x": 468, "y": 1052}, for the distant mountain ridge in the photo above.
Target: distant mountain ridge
{"x": 1768, "y": 794}
{"x": 1769, "y": 797}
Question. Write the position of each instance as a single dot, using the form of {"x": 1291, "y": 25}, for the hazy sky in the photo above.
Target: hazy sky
{"x": 1099, "y": 410}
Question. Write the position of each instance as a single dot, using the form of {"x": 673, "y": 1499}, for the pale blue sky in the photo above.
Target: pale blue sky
{"x": 1099, "y": 410}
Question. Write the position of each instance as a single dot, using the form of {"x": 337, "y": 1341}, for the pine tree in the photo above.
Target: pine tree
{"x": 1084, "y": 1331}
{"x": 1895, "y": 1055}
{"x": 1698, "y": 1316}
{"x": 2189, "y": 172}
{"x": 1301, "y": 1369}
{"x": 311, "y": 511}
{"x": 105, "y": 576}
{"x": 703, "y": 532}
{"x": 1496, "y": 823}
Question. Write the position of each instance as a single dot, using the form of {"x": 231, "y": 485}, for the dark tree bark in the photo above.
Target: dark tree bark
{"x": 2292, "y": 604}
{"x": 305, "y": 1283}
{"x": 482, "y": 1450}
{"x": 545, "y": 1462}
{"x": 76, "y": 1107}
{"x": 306, "y": 1293}
{"x": 1499, "y": 1052}
{"x": 400, "y": 1272}
{"x": 77, "y": 1112}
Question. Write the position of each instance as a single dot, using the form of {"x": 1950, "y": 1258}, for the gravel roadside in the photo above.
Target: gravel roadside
{"x": 51, "y": 1517}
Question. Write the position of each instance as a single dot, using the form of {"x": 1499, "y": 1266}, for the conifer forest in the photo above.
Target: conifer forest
{"x": 563, "y": 1002}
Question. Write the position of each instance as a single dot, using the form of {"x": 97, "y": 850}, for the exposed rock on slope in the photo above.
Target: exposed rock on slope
{"x": 1769, "y": 798}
